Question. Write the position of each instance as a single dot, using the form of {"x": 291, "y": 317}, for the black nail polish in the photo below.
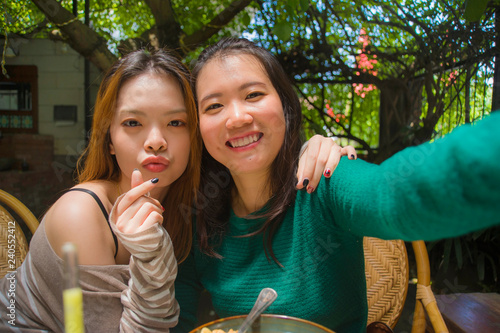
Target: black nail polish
{"x": 352, "y": 156}
{"x": 154, "y": 180}
{"x": 305, "y": 182}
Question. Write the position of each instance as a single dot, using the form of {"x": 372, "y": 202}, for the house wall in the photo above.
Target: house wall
{"x": 50, "y": 154}
{"x": 60, "y": 82}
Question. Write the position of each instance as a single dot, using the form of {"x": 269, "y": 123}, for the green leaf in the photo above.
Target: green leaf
{"x": 493, "y": 266}
{"x": 474, "y": 9}
{"x": 477, "y": 234}
{"x": 446, "y": 255}
{"x": 283, "y": 30}
{"x": 458, "y": 252}
{"x": 480, "y": 266}
{"x": 246, "y": 19}
{"x": 304, "y": 5}
{"x": 292, "y": 6}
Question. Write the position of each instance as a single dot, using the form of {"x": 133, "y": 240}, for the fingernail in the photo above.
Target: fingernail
{"x": 310, "y": 189}
{"x": 352, "y": 156}
{"x": 163, "y": 208}
{"x": 305, "y": 182}
{"x": 327, "y": 172}
{"x": 154, "y": 180}
{"x": 136, "y": 169}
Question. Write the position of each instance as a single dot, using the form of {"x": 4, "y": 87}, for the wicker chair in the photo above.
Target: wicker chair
{"x": 386, "y": 266}
{"x": 13, "y": 242}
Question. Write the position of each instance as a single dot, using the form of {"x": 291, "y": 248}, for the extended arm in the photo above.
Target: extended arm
{"x": 436, "y": 190}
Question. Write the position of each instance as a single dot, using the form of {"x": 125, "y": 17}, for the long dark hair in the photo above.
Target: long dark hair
{"x": 214, "y": 204}
{"x": 97, "y": 163}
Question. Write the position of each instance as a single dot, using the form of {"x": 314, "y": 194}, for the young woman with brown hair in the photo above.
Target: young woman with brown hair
{"x": 144, "y": 126}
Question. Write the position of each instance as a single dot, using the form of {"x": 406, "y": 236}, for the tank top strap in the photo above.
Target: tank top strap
{"x": 104, "y": 212}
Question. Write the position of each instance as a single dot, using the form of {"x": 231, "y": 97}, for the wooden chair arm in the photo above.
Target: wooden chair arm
{"x": 425, "y": 297}
{"x": 24, "y": 213}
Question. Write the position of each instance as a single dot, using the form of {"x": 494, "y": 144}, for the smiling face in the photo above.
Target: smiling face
{"x": 241, "y": 115}
{"x": 149, "y": 130}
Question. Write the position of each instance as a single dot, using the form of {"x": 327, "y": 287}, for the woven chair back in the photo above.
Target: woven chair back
{"x": 13, "y": 243}
{"x": 386, "y": 268}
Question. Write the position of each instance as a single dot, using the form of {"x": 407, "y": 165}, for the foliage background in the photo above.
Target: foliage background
{"x": 381, "y": 75}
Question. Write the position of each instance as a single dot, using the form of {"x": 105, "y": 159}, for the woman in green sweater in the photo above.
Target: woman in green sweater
{"x": 254, "y": 230}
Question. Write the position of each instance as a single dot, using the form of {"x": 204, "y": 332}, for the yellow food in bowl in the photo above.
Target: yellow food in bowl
{"x": 206, "y": 330}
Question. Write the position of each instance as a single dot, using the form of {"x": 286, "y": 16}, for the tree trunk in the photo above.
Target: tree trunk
{"x": 399, "y": 115}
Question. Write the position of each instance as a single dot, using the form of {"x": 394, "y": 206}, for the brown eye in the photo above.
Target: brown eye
{"x": 177, "y": 123}
{"x": 254, "y": 95}
{"x": 213, "y": 107}
{"x": 131, "y": 123}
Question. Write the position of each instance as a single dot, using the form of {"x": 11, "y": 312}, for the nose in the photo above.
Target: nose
{"x": 155, "y": 141}
{"x": 237, "y": 116}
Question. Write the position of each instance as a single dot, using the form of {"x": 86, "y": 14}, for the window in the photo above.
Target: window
{"x": 19, "y": 100}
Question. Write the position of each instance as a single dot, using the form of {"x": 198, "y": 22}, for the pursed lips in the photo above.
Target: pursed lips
{"x": 155, "y": 163}
{"x": 244, "y": 141}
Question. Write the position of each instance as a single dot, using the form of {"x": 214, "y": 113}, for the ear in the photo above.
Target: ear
{"x": 111, "y": 149}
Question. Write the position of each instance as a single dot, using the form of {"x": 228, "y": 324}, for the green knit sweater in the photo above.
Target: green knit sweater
{"x": 443, "y": 189}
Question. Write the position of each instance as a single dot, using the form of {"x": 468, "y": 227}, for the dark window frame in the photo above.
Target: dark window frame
{"x": 21, "y": 76}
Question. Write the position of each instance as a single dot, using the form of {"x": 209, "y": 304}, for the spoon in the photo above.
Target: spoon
{"x": 266, "y": 298}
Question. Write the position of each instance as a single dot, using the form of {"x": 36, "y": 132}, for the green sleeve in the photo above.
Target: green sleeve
{"x": 436, "y": 190}
{"x": 187, "y": 293}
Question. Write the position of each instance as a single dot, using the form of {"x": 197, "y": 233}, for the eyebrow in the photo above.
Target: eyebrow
{"x": 139, "y": 112}
{"x": 242, "y": 87}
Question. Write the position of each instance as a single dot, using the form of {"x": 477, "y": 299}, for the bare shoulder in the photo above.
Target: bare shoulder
{"x": 77, "y": 217}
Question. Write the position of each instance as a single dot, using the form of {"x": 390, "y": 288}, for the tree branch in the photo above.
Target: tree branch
{"x": 216, "y": 24}
{"x": 80, "y": 37}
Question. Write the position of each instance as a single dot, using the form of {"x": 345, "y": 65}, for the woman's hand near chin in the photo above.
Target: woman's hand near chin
{"x": 137, "y": 211}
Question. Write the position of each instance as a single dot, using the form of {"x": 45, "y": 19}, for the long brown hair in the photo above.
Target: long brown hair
{"x": 214, "y": 210}
{"x": 96, "y": 162}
